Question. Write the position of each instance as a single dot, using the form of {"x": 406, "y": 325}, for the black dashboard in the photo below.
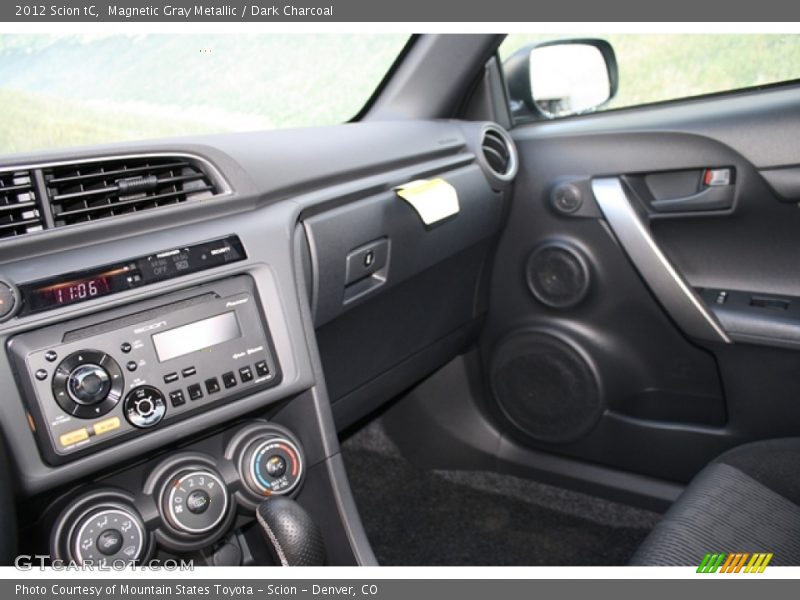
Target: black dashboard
{"x": 166, "y": 369}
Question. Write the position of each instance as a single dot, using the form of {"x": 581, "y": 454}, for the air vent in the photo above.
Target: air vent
{"x": 90, "y": 191}
{"x": 19, "y": 211}
{"x": 499, "y": 152}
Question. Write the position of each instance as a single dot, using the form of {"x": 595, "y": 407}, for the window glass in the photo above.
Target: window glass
{"x": 70, "y": 90}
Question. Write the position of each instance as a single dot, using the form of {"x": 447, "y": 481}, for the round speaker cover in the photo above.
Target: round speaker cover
{"x": 545, "y": 387}
{"x": 557, "y": 275}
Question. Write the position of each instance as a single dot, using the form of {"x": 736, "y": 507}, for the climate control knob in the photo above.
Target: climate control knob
{"x": 195, "y": 501}
{"x": 272, "y": 466}
{"x": 144, "y": 406}
{"x": 108, "y": 535}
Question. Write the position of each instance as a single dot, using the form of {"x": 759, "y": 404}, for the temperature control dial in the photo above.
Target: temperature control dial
{"x": 195, "y": 501}
{"x": 144, "y": 406}
{"x": 88, "y": 384}
{"x": 108, "y": 535}
{"x": 272, "y": 466}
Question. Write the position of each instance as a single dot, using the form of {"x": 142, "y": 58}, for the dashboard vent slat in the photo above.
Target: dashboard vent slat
{"x": 499, "y": 155}
{"x": 19, "y": 207}
{"x": 125, "y": 172}
{"x": 496, "y": 151}
{"x": 90, "y": 191}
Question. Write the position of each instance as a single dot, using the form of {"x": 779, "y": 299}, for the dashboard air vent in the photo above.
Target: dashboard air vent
{"x": 19, "y": 210}
{"x": 90, "y": 191}
{"x": 499, "y": 152}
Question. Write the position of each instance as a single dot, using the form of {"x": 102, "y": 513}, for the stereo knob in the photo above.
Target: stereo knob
{"x": 89, "y": 384}
{"x": 109, "y": 534}
{"x": 144, "y": 406}
{"x": 195, "y": 501}
{"x": 272, "y": 466}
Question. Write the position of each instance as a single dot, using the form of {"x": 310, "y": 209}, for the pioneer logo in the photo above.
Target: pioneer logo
{"x": 149, "y": 327}
{"x": 236, "y": 302}
{"x": 223, "y": 250}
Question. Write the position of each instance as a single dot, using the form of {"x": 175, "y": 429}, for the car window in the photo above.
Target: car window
{"x": 656, "y": 68}
{"x": 72, "y": 90}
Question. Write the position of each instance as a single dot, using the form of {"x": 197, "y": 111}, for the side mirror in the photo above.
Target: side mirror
{"x": 561, "y": 78}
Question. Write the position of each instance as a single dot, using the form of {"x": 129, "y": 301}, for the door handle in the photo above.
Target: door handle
{"x": 711, "y": 198}
{"x": 675, "y": 294}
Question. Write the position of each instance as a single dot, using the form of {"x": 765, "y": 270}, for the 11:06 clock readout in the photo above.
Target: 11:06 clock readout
{"x": 80, "y": 290}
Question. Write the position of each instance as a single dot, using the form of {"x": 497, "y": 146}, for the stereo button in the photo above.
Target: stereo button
{"x": 229, "y": 379}
{"x": 246, "y": 374}
{"x": 212, "y": 385}
{"x": 195, "y": 391}
{"x": 262, "y": 369}
{"x": 131, "y": 366}
{"x": 73, "y": 437}
{"x": 125, "y": 347}
{"x": 177, "y": 398}
{"x": 106, "y": 426}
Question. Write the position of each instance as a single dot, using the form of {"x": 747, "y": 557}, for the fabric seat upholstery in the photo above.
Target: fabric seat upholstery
{"x": 747, "y": 500}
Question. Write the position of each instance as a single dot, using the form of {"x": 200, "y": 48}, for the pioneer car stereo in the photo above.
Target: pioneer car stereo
{"x": 116, "y": 374}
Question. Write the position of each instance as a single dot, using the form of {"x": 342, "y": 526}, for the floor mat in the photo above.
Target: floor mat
{"x": 420, "y": 517}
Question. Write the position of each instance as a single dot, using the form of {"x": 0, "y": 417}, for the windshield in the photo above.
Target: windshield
{"x": 59, "y": 91}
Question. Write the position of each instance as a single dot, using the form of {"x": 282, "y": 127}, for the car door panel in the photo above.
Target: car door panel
{"x": 673, "y": 391}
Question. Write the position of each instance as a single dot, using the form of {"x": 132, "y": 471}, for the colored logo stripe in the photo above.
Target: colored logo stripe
{"x": 710, "y": 563}
{"x": 734, "y": 562}
{"x": 758, "y": 563}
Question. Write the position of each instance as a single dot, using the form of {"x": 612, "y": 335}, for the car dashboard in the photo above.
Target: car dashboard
{"x": 188, "y": 323}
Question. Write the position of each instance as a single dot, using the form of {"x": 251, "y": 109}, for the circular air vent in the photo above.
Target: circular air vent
{"x": 499, "y": 153}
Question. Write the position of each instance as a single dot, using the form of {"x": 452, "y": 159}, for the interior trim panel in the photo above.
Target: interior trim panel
{"x": 677, "y": 297}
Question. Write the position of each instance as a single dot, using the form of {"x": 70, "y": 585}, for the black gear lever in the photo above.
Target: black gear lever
{"x": 293, "y": 538}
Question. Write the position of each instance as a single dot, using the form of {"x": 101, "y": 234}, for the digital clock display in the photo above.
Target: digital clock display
{"x": 77, "y": 291}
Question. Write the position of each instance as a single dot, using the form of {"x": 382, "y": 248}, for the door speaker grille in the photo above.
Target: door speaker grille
{"x": 545, "y": 387}
{"x": 557, "y": 275}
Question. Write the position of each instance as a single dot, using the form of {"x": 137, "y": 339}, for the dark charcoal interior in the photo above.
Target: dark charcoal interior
{"x": 548, "y": 376}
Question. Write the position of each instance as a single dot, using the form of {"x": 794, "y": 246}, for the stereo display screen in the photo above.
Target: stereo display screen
{"x": 196, "y": 336}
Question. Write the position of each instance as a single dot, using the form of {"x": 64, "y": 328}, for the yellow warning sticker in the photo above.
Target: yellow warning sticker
{"x": 433, "y": 199}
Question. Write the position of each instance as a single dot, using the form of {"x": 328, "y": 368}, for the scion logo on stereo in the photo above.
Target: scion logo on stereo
{"x": 150, "y": 327}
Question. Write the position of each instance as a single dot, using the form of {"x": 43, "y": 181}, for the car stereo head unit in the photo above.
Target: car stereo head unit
{"x": 113, "y": 375}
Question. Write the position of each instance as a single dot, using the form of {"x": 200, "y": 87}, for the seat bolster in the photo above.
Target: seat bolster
{"x": 724, "y": 510}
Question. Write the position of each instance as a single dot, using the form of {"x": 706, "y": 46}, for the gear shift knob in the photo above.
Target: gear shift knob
{"x": 294, "y": 539}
